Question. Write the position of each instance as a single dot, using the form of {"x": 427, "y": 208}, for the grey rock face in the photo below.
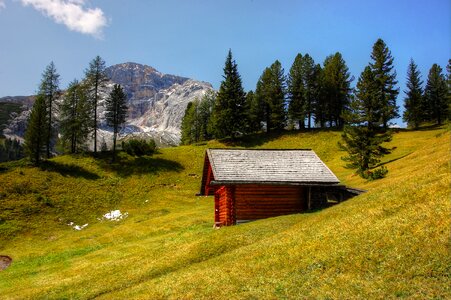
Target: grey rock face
{"x": 157, "y": 101}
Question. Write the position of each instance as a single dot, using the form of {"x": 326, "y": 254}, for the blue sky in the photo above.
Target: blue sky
{"x": 191, "y": 38}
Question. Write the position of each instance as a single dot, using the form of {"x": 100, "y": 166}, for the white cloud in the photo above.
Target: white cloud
{"x": 71, "y": 13}
{"x": 2, "y": 4}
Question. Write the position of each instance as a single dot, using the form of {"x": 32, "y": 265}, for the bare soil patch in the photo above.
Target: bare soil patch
{"x": 5, "y": 261}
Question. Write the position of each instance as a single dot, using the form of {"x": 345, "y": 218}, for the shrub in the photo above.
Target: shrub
{"x": 135, "y": 147}
{"x": 376, "y": 174}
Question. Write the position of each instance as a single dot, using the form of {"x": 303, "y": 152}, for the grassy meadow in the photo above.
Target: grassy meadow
{"x": 391, "y": 242}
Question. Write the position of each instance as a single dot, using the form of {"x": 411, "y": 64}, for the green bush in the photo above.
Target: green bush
{"x": 135, "y": 147}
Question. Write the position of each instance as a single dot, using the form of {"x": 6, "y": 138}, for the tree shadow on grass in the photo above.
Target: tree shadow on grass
{"x": 67, "y": 170}
{"x": 126, "y": 166}
{"x": 259, "y": 139}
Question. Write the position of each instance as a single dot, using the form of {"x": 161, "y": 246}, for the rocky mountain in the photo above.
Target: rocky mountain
{"x": 156, "y": 101}
{"x": 26, "y": 101}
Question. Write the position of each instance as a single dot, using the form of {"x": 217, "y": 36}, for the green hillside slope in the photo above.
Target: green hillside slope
{"x": 393, "y": 241}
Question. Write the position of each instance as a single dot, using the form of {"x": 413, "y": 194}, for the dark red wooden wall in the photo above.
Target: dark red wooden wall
{"x": 253, "y": 202}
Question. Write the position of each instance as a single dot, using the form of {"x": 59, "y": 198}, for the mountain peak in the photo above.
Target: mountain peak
{"x": 134, "y": 66}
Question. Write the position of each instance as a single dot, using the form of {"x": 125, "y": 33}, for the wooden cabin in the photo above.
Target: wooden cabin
{"x": 255, "y": 184}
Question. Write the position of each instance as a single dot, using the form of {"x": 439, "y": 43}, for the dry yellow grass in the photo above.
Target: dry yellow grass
{"x": 393, "y": 241}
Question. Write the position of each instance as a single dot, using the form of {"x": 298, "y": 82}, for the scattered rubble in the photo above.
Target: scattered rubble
{"x": 114, "y": 215}
{"x": 77, "y": 227}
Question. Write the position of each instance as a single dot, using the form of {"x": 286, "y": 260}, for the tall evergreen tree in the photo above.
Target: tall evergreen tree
{"x": 436, "y": 95}
{"x": 206, "y": 107}
{"x": 49, "y": 90}
{"x": 363, "y": 134}
{"x": 230, "y": 112}
{"x": 448, "y": 68}
{"x": 36, "y": 133}
{"x": 277, "y": 98}
{"x": 263, "y": 97}
{"x": 296, "y": 93}
{"x": 187, "y": 124}
{"x": 336, "y": 89}
{"x": 95, "y": 80}
{"x": 256, "y": 112}
{"x": 196, "y": 121}
{"x": 116, "y": 112}
{"x": 321, "y": 106}
{"x": 413, "y": 110}
{"x": 270, "y": 95}
{"x": 10, "y": 149}
{"x": 311, "y": 75}
{"x": 75, "y": 116}
{"x": 382, "y": 67}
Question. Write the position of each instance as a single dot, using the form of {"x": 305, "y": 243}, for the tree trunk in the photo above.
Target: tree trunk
{"x": 49, "y": 133}
{"x": 95, "y": 116}
{"x": 114, "y": 145}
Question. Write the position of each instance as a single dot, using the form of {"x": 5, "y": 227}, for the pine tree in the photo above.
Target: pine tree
{"x": 270, "y": 95}
{"x": 277, "y": 98}
{"x": 310, "y": 78}
{"x": 36, "y": 133}
{"x": 206, "y": 107}
{"x": 448, "y": 68}
{"x": 75, "y": 117}
{"x": 382, "y": 67}
{"x": 296, "y": 93}
{"x": 413, "y": 110}
{"x": 49, "y": 90}
{"x": 187, "y": 124}
{"x": 95, "y": 80}
{"x": 10, "y": 149}
{"x": 336, "y": 89}
{"x": 230, "y": 112}
{"x": 436, "y": 95}
{"x": 116, "y": 112}
{"x": 196, "y": 121}
{"x": 363, "y": 134}
{"x": 263, "y": 97}
{"x": 256, "y": 112}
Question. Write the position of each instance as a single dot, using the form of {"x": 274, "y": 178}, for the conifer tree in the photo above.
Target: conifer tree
{"x": 49, "y": 90}
{"x": 230, "y": 112}
{"x": 321, "y": 106}
{"x": 413, "y": 110}
{"x": 363, "y": 134}
{"x": 116, "y": 112}
{"x": 263, "y": 97}
{"x": 296, "y": 93}
{"x": 382, "y": 67}
{"x": 10, "y": 149}
{"x": 36, "y": 133}
{"x": 196, "y": 121}
{"x": 448, "y": 68}
{"x": 95, "y": 80}
{"x": 277, "y": 97}
{"x": 255, "y": 115}
{"x": 187, "y": 124}
{"x": 75, "y": 117}
{"x": 206, "y": 107}
{"x": 336, "y": 88}
{"x": 311, "y": 75}
{"x": 270, "y": 94}
{"x": 436, "y": 95}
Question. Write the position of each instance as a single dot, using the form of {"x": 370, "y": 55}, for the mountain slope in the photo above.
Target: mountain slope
{"x": 391, "y": 242}
{"x": 156, "y": 102}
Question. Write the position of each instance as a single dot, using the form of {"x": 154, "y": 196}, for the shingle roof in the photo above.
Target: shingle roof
{"x": 269, "y": 166}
